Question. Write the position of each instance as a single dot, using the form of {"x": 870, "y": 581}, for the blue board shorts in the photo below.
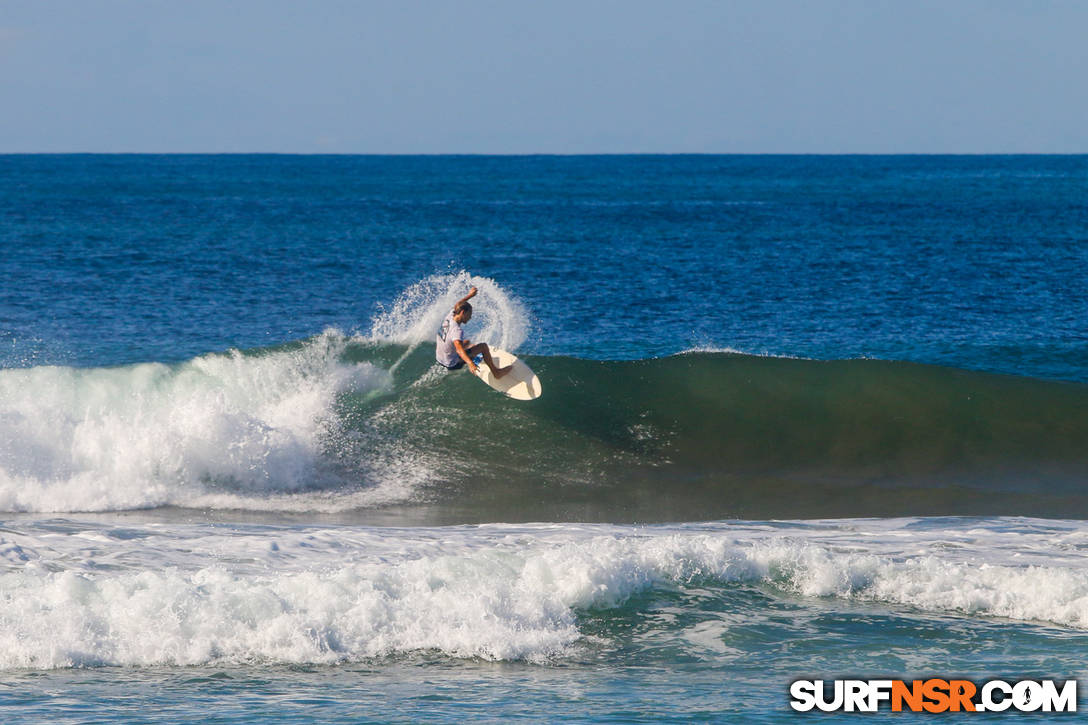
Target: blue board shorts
{"x": 461, "y": 363}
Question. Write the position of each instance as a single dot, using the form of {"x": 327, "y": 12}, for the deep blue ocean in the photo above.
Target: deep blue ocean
{"x": 802, "y": 417}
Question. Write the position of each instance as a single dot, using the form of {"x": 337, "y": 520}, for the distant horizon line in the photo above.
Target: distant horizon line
{"x": 543, "y": 153}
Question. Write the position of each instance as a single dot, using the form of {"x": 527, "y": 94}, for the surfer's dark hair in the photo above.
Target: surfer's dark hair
{"x": 461, "y": 306}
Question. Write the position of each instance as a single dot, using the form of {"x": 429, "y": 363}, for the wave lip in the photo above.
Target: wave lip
{"x": 149, "y": 435}
{"x": 347, "y": 425}
{"x": 292, "y": 428}
{"x": 498, "y": 317}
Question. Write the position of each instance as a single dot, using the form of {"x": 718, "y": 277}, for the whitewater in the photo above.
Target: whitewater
{"x": 92, "y": 594}
{"x": 348, "y": 424}
{"x": 330, "y": 427}
{"x": 224, "y": 430}
{"x": 803, "y": 418}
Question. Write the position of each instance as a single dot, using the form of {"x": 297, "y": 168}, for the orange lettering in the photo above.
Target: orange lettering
{"x": 937, "y": 692}
{"x": 912, "y": 696}
{"x": 961, "y": 693}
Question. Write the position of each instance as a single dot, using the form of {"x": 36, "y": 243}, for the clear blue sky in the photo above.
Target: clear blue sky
{"x": 505, "y": 76}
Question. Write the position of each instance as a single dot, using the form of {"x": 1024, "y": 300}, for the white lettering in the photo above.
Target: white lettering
{"x": 1027, "y": 696}
{"x": 803, "y": 693}
{"x": 855, "y": 695}
{"x": 988, "y": 702}
{"x": 835, "y": 702}
{"x": 993, "y": 696}
{"x": 879, "y": 691}
{"x": 1064, "y": 701}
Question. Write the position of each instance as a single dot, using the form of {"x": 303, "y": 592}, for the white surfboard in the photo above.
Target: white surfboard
{"x": 521, "y": 383}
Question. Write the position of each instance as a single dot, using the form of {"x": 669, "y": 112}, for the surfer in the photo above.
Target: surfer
{"x": 453, "y": 351}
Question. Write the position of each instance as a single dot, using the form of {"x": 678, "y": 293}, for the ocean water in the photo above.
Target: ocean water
{"x": 803, "y": 417}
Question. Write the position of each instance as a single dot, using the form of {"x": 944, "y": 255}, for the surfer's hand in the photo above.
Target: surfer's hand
{"x": 475, "y": 370}
{"x": 471, "y": 293}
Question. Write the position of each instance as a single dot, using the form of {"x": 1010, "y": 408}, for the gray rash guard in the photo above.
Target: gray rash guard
{"x": 445, "y": 351}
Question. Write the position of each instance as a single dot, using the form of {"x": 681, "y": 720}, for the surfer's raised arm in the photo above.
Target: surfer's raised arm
{"x": 453, "y": 350}
{"x": 471, "y": 293}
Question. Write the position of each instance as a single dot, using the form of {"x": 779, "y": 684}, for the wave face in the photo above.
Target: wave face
{"x": 717, "y": 435}
{"x": 351, "y": 424}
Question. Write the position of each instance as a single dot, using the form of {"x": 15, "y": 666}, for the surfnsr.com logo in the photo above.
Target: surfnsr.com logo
{"x": 934, "y": 695}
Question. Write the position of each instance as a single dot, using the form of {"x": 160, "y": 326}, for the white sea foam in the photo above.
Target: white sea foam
{"x": 232, "y": 430}
{"x": 735, "y": 351}
{"x": 222, "y": 429}
{"x": 498, "y": 317}
{"x": 85, "y": 594}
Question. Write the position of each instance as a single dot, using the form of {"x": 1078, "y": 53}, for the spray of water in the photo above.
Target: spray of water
{"x": 498, "y": 318}
{"x": 255, "y": 431}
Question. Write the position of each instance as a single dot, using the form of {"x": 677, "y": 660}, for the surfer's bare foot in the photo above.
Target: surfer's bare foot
{"x": 503, "y": 371}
